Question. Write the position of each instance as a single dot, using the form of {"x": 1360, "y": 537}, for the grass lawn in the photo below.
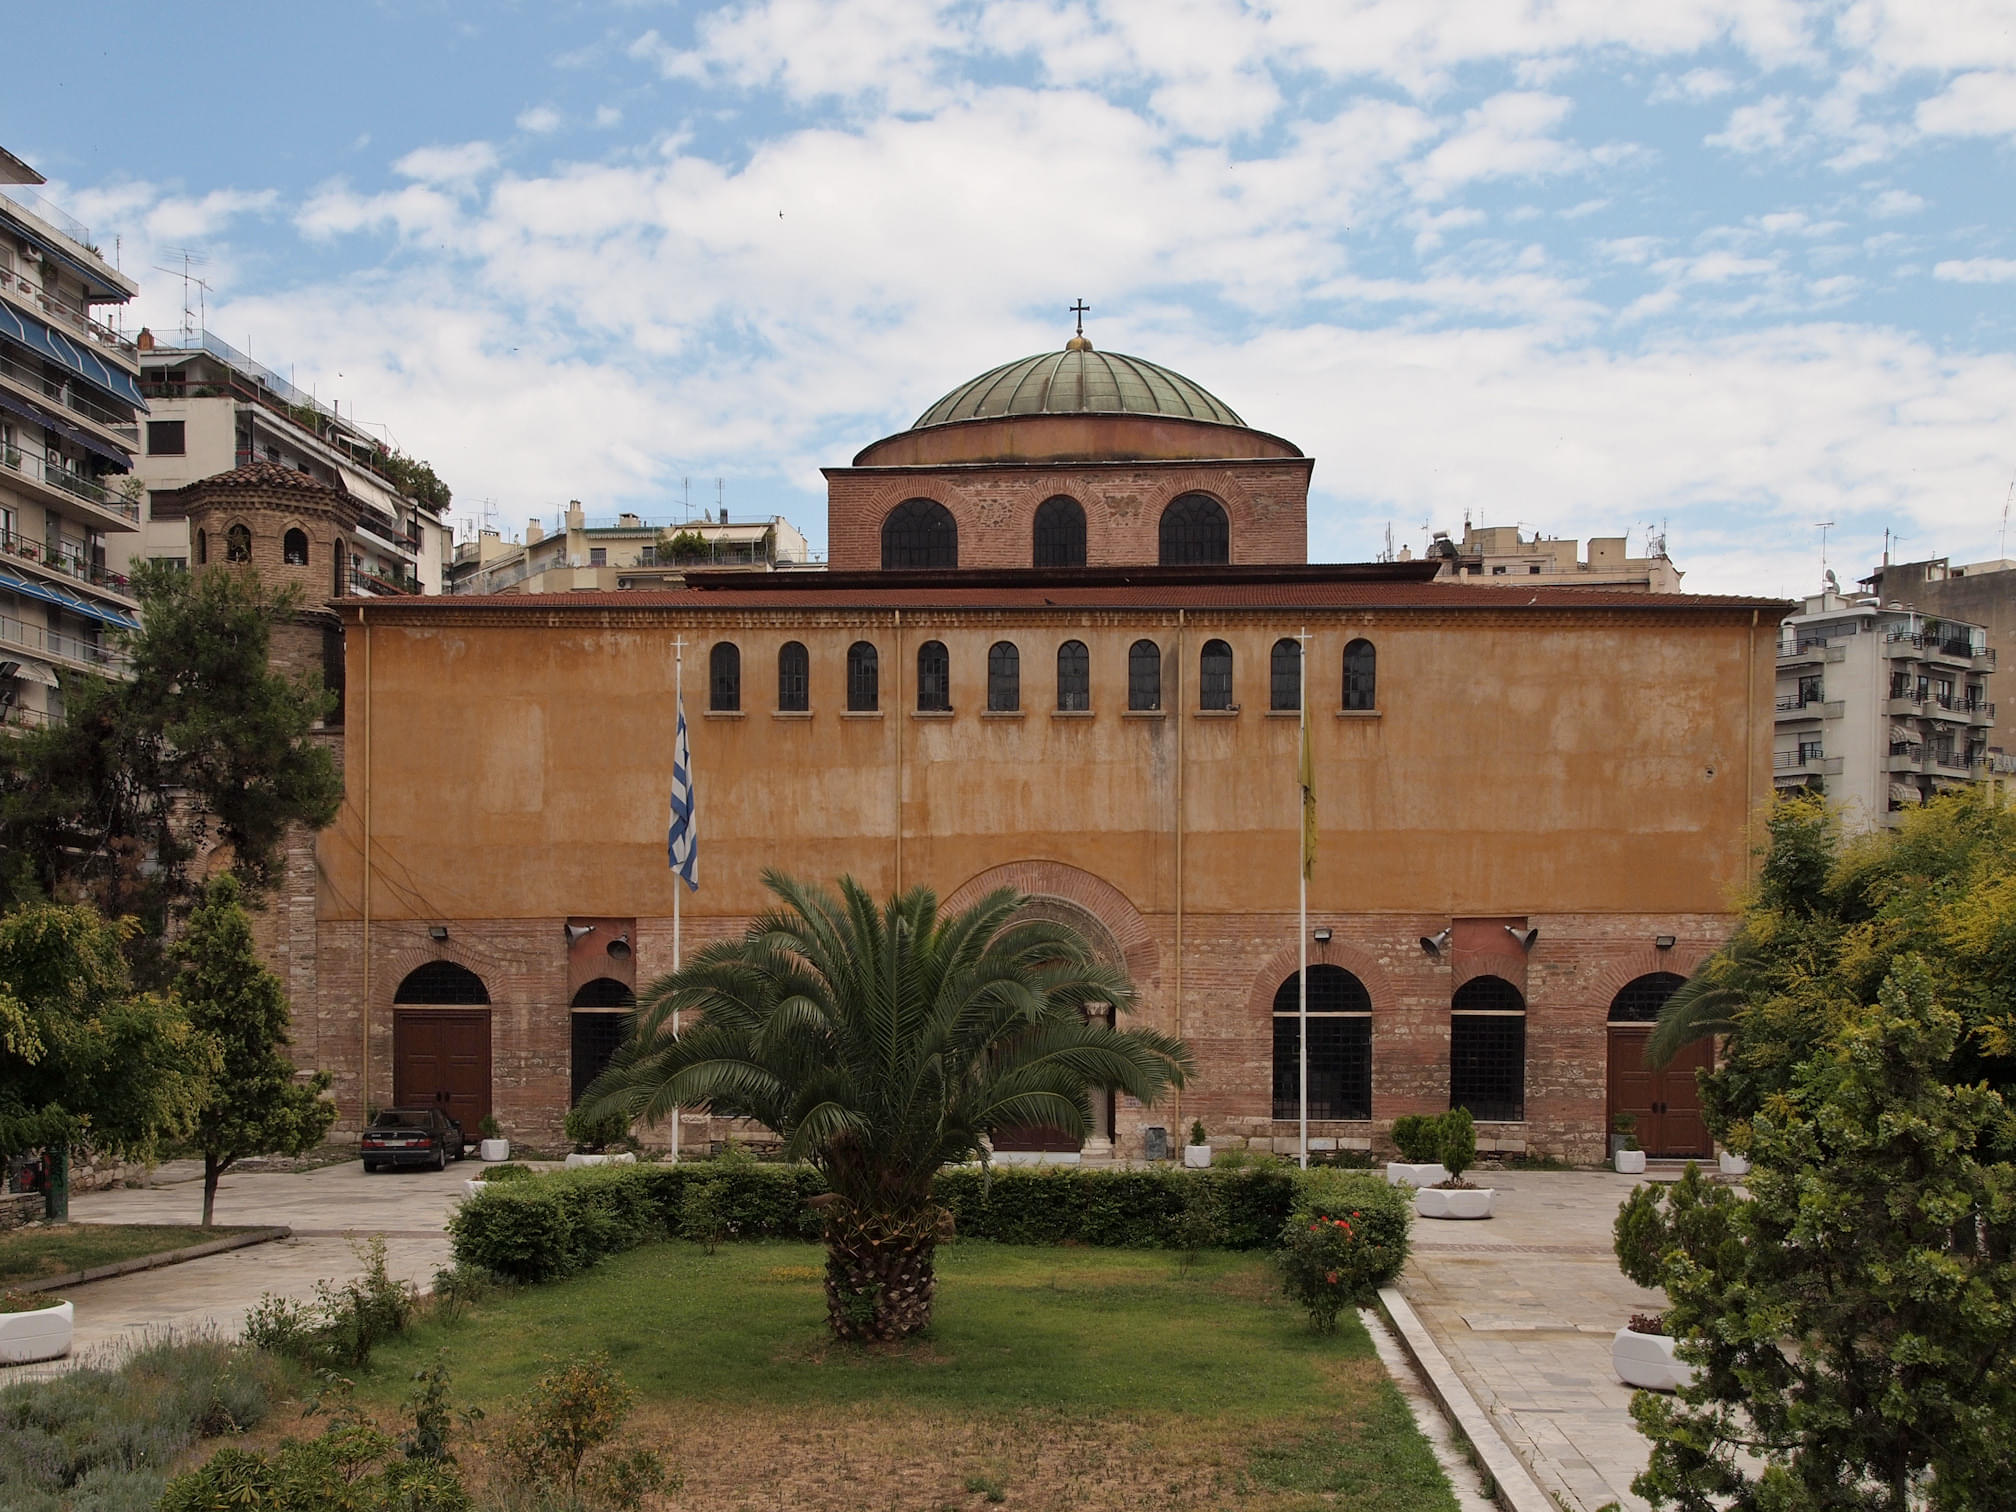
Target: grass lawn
{"x": 30, "y": 1254}
{"x": 1053, "y": 1378}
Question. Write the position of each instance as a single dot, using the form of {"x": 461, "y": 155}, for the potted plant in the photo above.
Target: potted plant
{"x": 1641, "y": 1352}
{"x": 1453, "y": 1197}
{"x": 1419, "y": 1139}
{"x": 1197, "y": 1153}
{"x": 1625, "y": 1156}
{"x": 494, "y": 1145}
{"x": 34, "y": 1326}
{"x": 491, "y": 1177}
{"x": 592, "y": 1137}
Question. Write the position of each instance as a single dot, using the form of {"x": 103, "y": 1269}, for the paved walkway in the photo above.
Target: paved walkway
{"x": 328, "y": 1209}
{"x": 1524, "y": 1306}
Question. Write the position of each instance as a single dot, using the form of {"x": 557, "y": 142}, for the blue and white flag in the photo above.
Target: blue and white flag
{"x": 682, "y": 840}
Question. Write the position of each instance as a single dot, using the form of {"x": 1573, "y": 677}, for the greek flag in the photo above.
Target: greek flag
{"x": 682, "y": 840}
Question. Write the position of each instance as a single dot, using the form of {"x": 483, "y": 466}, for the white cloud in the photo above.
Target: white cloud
{"x": 1975, "y": 104}
{"x": 608, "y": 117}
{"x": 1694, "y": 87}
{"x": 1510, "y": 135}
{"x": 539, "y": 119}
{"x": 1755, "y": 128}
{"x": 448, "y": 165}
{"x": 1976, "y": 270}
{"x": 1892, "y": 203}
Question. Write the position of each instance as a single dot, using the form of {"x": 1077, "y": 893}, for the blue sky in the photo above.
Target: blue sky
{"x": 1725, "y": 267}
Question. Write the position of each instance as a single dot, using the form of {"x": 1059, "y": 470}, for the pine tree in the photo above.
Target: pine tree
{"x": 254, "y": 1104}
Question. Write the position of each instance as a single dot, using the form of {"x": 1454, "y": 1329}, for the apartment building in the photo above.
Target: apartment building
{"x": 1980, "y": 593}
{"x": 1879, "y": 706}
{"x": 1489, "y": 552}
{"x": 213, "y": 410}
{"x": 626, "y": 552}
{"x": 70, "y": 402}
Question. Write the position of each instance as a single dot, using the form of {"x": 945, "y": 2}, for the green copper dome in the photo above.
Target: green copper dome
{"x": 1078, "y": 381}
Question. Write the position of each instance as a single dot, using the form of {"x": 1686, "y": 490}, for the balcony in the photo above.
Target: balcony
{"x": 62, "y": 312}
{"x": 379, "y": 584}
{"x": 1959, "y": 706}
{"x": 61, "y": 563}
{"x": 14, "y": 717}
{"x": 65, "y": 396}
{"x": 1948, "y": 648}
{"x": 68, "y": 648}
{"x": 1808, "y": 763}
{"x": 1808, "y": 648}
{"x": 371, "y": 525}
{"x": 1792, "y": 707}
{"x": 1905, "y": 756}
{"x": 125, "y": 512}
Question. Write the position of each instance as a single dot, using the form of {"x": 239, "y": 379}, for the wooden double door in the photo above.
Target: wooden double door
{"x": 1665, "y": 1100}
{"x": 441, "y": 1058}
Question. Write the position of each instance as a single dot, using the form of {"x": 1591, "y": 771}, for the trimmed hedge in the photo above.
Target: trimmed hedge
{"x": 565, "y": 1221}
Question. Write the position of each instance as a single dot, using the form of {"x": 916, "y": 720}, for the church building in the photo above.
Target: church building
{"x": 1061, "y": 647}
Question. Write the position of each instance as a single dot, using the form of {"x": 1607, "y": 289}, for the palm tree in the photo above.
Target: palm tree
{"x": 883, "y": 1044}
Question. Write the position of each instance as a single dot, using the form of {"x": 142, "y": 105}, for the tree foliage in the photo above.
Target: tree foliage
{"x": 204, "y": 744}
{"x": 253, "y": 1104}
{"x": 883, "y": 1044}
{"x": 84, "y": 1058}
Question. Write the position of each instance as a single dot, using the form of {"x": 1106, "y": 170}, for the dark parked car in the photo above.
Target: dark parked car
{"x": 411, "y": 1136}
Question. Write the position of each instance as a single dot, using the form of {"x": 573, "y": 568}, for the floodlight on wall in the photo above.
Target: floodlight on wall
{"x": 437, "y": 931}
{"x": 576, "y": 933}
{"x": 1322, "y": 937}
{"x": 1525, "y": 937}
{"x": 1435, "y": 944}
{"x": 1665, "y": 942}
{"x": 619, "y": 948}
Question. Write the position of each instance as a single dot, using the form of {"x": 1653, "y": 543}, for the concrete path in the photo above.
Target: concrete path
{"x": 329, "y": 1210}
{"x": 1524, "y": 1306}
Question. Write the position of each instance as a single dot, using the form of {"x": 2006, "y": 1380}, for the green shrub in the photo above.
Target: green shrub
{"x": 344, "y": 1323}
{"x": 1459, "y": 1142}
{"x": 1197, "y": 1134}
{"x": 509, "y": 1170}
{"x": 1419, "y": 1138}
{"x": 594, "y": 1135}
{"x": 571, "y": 1412}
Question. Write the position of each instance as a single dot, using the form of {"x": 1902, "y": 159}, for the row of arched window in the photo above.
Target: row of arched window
{"x": 1487, "y": 1043}
{"x": 1073, "y": 683}
{"x": 238, "y": 546}
{"x": 1194, "y": 531}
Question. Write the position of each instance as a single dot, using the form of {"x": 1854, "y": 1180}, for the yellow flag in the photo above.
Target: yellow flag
{"x": 1307, "y": 774}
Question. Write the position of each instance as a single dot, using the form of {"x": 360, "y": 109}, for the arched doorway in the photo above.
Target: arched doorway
{"x": 600, "y": 1023}
{"x": 441, "y": 1043}
{"x": 1033, "y": 1143}
{"x": 1665, "y": 1102}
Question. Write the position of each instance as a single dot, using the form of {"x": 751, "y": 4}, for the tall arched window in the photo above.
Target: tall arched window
{"x": 442, "y": 983}
{"x": 1004, "y": 678}
{"x": 238, "y": 544}
{"x": 203, "y": 552}
{"x": 794, "y": 678}
{"x": 724, "y": 678}
{"x": 1361, "y": 680}
{"x": 1074, "y": 677}
{"x": 1284, "y": 674}
{"x": 1195, "y": 532}
{"x": 1487, "y": 1050}
{"x": 1214, "y": 676}
{"x": 1060, "y": 533}
{"x": 1340, "y": 1046}
{"x": 294, "y": 548}
{"x": 336, "y": 570}
{"x": 920, "y": 533}
{"x": 601, "y": 1023}
{"x": 934, "y": 678}
{"x": 864, "y": 679}
{"x": 1144, "y": 675}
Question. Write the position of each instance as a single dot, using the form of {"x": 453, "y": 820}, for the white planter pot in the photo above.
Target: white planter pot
{"x": 43, "y": 1334}
{"x": 1197, "y": 1157}
{"x": 1455, "y": 1202}
{"x": 1646, "y": 1360}
{"x": 474, "y": 1188}
{"x": 1629, "y": 1162}
{"x": 494, "y": 1149}
{"x": 1734, "y": 1165}
{"x": 622, "y": 1157}
{"x": 1427, "y": 1175}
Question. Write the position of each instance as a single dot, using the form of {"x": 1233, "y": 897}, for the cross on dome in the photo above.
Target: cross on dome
{"x": 1078, "y": 343}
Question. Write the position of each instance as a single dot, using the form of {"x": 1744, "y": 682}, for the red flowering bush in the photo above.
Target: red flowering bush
{"x": 1333, "y": 1260}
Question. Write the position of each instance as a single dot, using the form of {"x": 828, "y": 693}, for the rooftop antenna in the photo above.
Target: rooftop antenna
{"x": 2004, "y": 552}
{"x": 720, "y": 509}
{"x": 1387, "y": 554}
{"x": 1823, "y": 526}
{"x": 190, "y": 261}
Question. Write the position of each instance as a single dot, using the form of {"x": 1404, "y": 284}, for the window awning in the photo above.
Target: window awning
{"x": 30, "y": 670}
{"x": 62, "y": 598}
{"x": 119, "y": 460}
{"x": 75, "y": 356}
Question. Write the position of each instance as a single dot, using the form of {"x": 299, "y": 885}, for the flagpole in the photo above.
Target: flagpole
{"x": 1303, "y": 776}
{"x": 678, "y": 704}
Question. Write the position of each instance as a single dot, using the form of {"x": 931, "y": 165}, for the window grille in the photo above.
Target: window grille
{"x": 1214, "y": 676}
{"x": 1361, "y": 667}
{"x": 1640, "y": 1000}
{"x": 1144, "y": 675}
{"x": 1060, "y": 533}
{"x": 1074, "y": 677}
{"x": 920, "y": 533}
{"x": 294, "y": 548}
{"x": 1340, "y": 1046}
{"x": 238, "y": 544}
{"x": 934, "y": 678}
{"x": 1487, "y": 1050}
{"x": 1195, "y": 532}
{"x": 864, "y": 680}
{"x": 596, "y": 1039}
{"x": 1004, "y": 678}
{"x": 794, "y": 678}
{"x": 442, "y": 983}
{"x": 1284, "y": 675}
{"x": 724, "y": 678}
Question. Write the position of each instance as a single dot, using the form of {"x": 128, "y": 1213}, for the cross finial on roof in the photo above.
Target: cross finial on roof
{"x": 1079, "y": 310}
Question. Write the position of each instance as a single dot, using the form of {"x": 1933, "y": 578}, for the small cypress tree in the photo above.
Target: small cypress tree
{"x": 253, "y": 1105}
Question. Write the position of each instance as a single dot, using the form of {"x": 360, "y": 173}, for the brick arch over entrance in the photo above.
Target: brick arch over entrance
{"x": 1098, "y": 897}
{"x": 1681, "y": 961}
{"x": 394, "y": 969}
{"x": 1480, "y": 963}
{"x": 1280, "y": 966}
